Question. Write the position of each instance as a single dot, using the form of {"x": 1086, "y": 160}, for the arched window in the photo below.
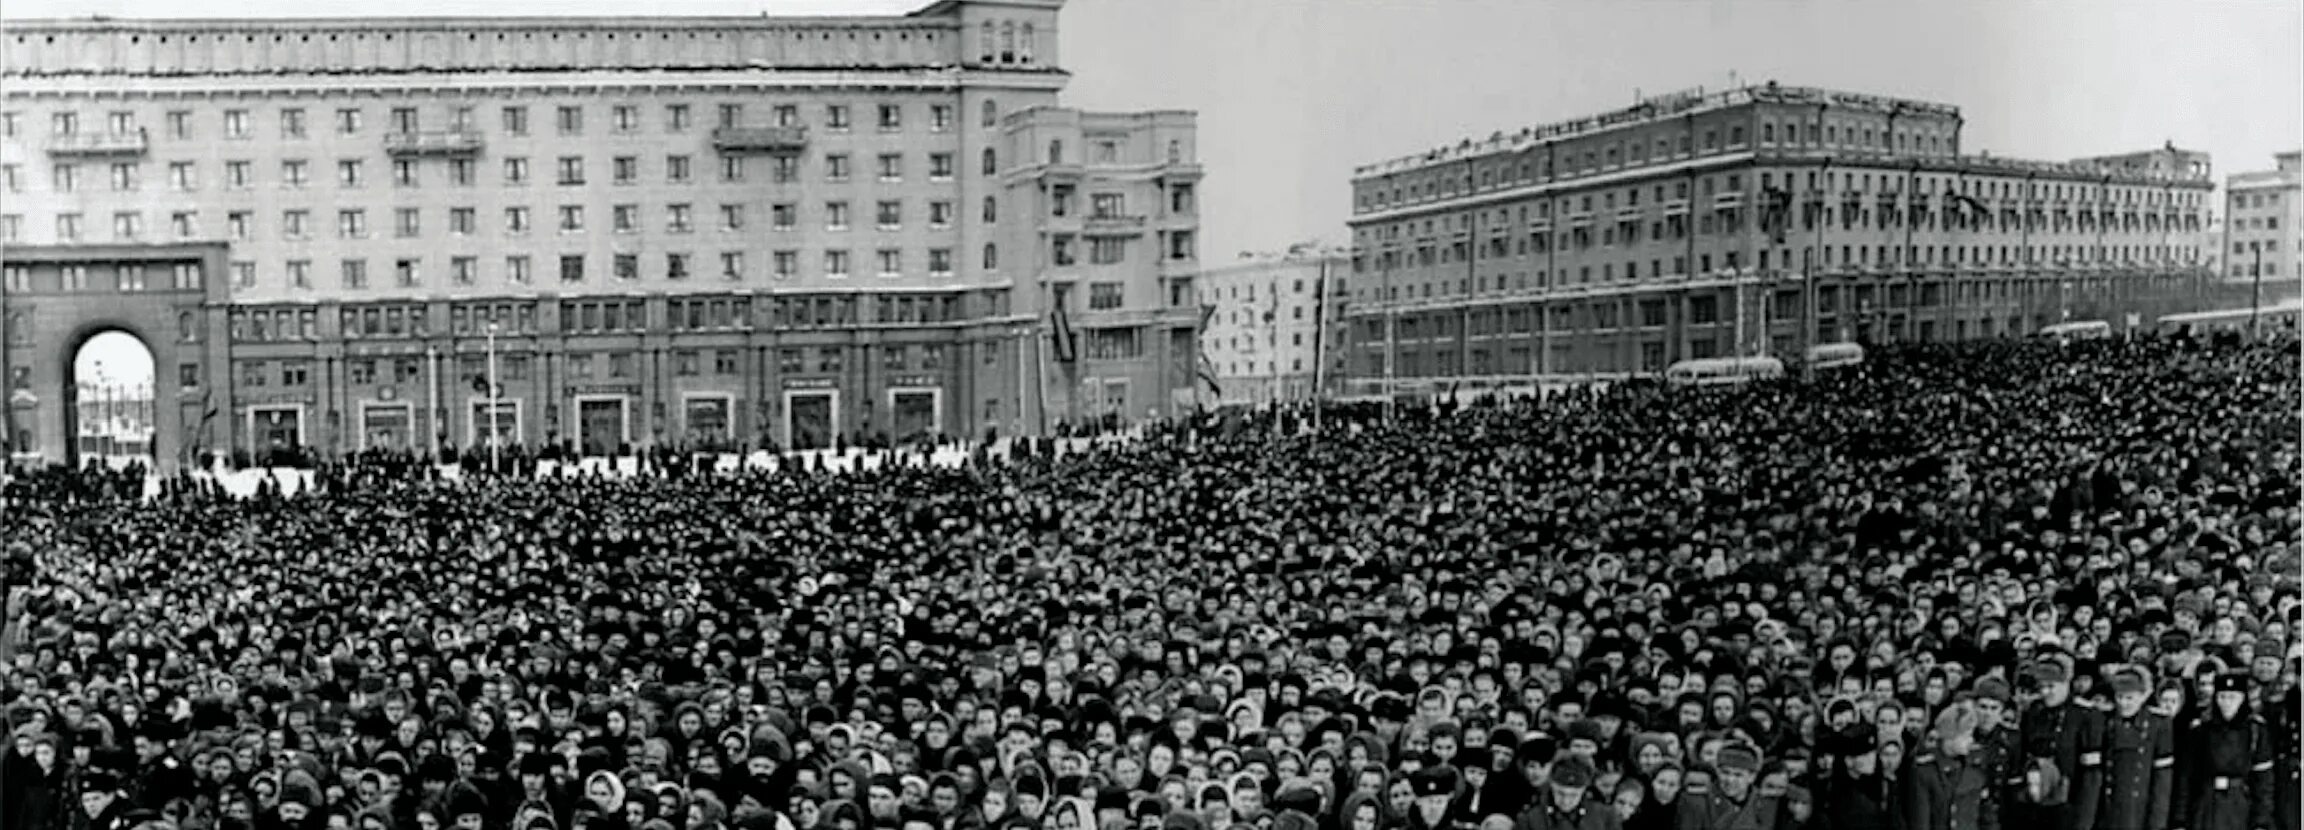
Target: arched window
{"x": 991, "y": 256}
{"x": 990, "y": 39}
{"x": 1056, "y": 151}
{"x": 1024, "y": 52}
{"x": 991, "y": 162}
{"x": 991, "y": 113}
{"x": 1007, "y": 43}
{"x": 991, "y": 210}
{"x": 1175, "y": 151}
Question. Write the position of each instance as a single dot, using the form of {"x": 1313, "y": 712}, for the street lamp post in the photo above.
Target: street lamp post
{"x": 495, "y": 409}
{"x": 2255, "y": 286}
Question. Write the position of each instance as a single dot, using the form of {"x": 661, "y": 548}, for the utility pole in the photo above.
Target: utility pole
{"x": 2255, "y": 286}
{"x": 495, "y": 424}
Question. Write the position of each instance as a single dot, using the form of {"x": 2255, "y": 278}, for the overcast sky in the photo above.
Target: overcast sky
{"x": 1293, "y": 93}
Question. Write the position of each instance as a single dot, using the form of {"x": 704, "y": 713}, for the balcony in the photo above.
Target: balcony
{"x": 1728, "y": 199}
{"x": 134, "y": 143}
{"x": 1112, "y": 224}
{"x": 760, "y": 139}
{"x": 435, "y": 143}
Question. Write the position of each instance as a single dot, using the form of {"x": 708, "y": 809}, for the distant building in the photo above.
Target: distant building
{"x": 2264, "y": 224}
{"x": 1760, "y": 220}
{"x": 1264, "y": 340}
{"x": 701, "y": 231}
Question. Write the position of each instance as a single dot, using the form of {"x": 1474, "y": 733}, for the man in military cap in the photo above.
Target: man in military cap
{"x": 1947, "y": 790}
{"x": 1566, "y": 805}
{"x": 2139, "y": 756}
{"x": 2063, "y": 754}
{"x": 1435, "y": 789}
{"x": 1997, "y": 751}
{"x": 2228, "y": 766}
{"x": 1732, "y": 803}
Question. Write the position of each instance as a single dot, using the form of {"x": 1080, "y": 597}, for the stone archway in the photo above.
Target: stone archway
{"x": 109, "y": 403}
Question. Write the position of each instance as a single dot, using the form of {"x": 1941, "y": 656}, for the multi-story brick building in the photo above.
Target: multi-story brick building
{"x": 1264, "y": 340}
{"x": 2264, "y": 226}
{"x": 739, "y": 230}
{"x": 1760, "y": 220}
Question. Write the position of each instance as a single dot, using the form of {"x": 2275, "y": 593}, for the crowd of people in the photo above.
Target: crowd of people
{"x": 1959, "y": 587}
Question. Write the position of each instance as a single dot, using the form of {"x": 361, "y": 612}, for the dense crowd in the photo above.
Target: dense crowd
{"x": 1956, "y": 588}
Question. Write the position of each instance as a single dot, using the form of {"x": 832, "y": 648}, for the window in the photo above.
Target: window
{"x": 65, "y": 123}
{"x": 295, "y": 173}
{"x": 787, "y": 115}
{"x": 296, "y": 224}
{"x": 125, "y": 176}
{"x": 940, "y": 262}
{"x": 407, "y": 223}
{"x": 571, "y": 267}
{"x": 1104, "y": 295}
{"x": 516, "y": 269}
{"x": 626, "y": 267}
{"x": 731, "y": 218}
{"x": 235, "y": 123}
{"x": 463, "y": 221}
{"x": 836, "y": 263}
{"x": 1107, "y": 205}
{"x": 355, "y": 272}
{"x": 731, "y": 168}
{"x": 181, "y": 176}
{"x": 836, "y": 167}
{"x": 516, "y": 220}
{"x": 183, "y": 225}
{"x": 626, "y": 169}
{"x": 75, "y": 278}
{"x": 836, "y": 117}
{"x": 516, "y": 121}
{"x": 991, "y": 115}
{"x": 516, "y": 170}
{"x": 940, "y": 166}
{"x": 991, "y": 162}
{"x": 891, "y": 262}
{"x": 1107, "y": 152}
{"x": 66, "y": 177}
{"x": 732, "y": 265}
{"x": 891, "y": 117}
{"x": 571, "y": 120}
{"x": 890, "y": 215}
{"x": 891, "y": 167}
{"x": 292, "y": 123}
{"x": 679, "y": 219}
{"x": 836, "y": 216}
{"x": 238, "y": 224}
{"x": 676, "y": 168}
{"x": 571, "y": 170}
{"x": 1180, "y": 199}
{"x": 236, "y": 175}
{"x": 731, "y": 115}
{"x": 991, "y": 256}
{"x": 626, "y": 118}
{"x": 785, "y": 216}
{"x": 786, "y": 169}
{"x": 571, "y": 218}
{"x": 787, "y": 264}
{"x": 352, "y": 223}
{"x": 676, "y": 266}
{"x": 11, "y": 227}
{"x": 132, "y": 277}
{"x": 405, "y": 271}
{"x": 179, "y": 124}
{"x": 404, "y": 120}
{"x": 1180, "y": 245}
{"x": 300, "y": 273}
{"x": 350, "y": 172}
{"x": 676, "y": 118}
{"x": 939, "y": 214}
{"x": 1107, "y": 251}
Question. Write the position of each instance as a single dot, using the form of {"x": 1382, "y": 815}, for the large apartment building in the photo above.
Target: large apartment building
{"x": 1265, "y": 339}
{"x": 2264, "y": 225}
{"x": 1760, "y": 220}
{"x": 699, "y": 230}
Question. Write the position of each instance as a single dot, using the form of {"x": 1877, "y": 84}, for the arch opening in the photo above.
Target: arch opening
{"x": 113, "y": 412}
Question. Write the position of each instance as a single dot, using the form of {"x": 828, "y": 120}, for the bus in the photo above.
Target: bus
{"x": 2274, "y": 317}
{"x": 1721, "y": 371}
{"x": 2077, "y": 330}
{"x": 1834, "y": 355}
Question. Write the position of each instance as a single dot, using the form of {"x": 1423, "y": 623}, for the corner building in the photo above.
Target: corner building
{"x": 1760, "y": 220}
{"x": 703, "y": 231}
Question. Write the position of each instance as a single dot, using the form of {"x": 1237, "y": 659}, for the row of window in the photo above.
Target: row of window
{"x": 127, "y": 276}
{"x": 586, "y": 366}
{"x": 1705, "y": 187}
{"x": 571, "y": 171}
{"x": 1849, "y": 256}
{"x": 596, "y": 316}
{"x": 512, "y": 120}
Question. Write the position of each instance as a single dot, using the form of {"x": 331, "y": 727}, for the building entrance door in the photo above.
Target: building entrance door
{"x": 385, "y": 427}
{"x": 915, "y": 414}
{"x": 809, "y": 420}
{"x": 600, "y": 426}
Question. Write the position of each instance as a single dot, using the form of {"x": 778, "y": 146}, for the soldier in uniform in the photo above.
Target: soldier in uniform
{"x": 1567, "y": 805}
{"x": 2288, "y": 760}
{"x": 1997, "y": 752}
{"x": 1732, "y": 802}
{"x": 1855, "y": 795}
{"x": 2228, "y": 782}
{"x": 1948, "y": 789}
{"x": 2063, "y": 757}
{"x": 2139, "y": 757}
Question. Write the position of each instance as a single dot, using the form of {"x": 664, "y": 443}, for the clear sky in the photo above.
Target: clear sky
{"x": 1293, "y": 93}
